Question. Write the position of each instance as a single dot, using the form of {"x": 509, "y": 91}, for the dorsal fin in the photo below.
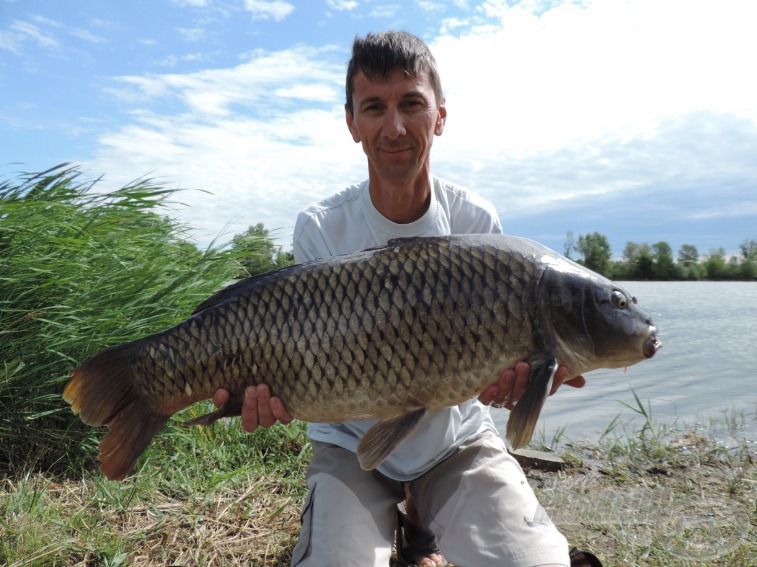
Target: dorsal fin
{"x": 240, "y": 287}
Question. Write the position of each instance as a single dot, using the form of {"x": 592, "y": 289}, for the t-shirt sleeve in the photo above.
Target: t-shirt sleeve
{"x": 469, "y": 213}
{"x": 308, "y": 243}
{"x": 490, "y": 222}
{"x": 477, "y": 218}
{"x": 494, "y": 224}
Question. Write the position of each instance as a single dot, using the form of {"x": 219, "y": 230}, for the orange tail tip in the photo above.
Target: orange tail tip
{"x": 131, "y": 430}
{"x": 101, "y": 393}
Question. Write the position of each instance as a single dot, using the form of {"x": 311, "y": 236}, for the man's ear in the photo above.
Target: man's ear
{"x": 351, "y": 125}
{"x": 441, "y": 118}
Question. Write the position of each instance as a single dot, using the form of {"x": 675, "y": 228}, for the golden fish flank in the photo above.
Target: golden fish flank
{"x": 386, "y": 333}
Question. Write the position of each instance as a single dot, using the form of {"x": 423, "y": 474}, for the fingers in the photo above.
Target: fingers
{"x": 521, "y": 383}
{"x": 265, "y": 414}
{"x": 488, "y": 396}
{"x": 577, "y": 382}
{"x": 250, "y": 421}
{"x": 509, "y": 388}
{"x": 221, "y": 397}
{"x": 561, "y": 374}
{"x": 279, "y": 411}
{"x": 513, "y": 382}
{"x": 261, "y": 410}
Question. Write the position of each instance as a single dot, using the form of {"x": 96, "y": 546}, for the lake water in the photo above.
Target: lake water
{"x": 704, "y": 375}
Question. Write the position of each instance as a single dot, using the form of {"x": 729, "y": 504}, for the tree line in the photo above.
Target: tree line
{"x": 642, "y": 261}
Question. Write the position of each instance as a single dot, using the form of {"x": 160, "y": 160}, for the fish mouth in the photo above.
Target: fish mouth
{"x": 652, "y": 344}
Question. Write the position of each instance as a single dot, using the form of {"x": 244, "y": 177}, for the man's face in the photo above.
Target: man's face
{"x": 396, "y": 119}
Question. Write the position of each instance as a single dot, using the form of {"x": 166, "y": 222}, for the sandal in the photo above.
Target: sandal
{"x": 414, "y": 542}
{"x": 581, "y": 558}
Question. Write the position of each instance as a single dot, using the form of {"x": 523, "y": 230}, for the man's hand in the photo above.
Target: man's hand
{"x": 259, "y": 408}
{"x": 513, "y": 382}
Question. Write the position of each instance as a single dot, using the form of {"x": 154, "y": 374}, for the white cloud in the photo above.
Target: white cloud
{"x": 8, "y": 42}
{"x": 193, "y": 3}
{"x": 449, "y": 25}
{"x": 385, "y": 11}
{"x": 20, "y": 32}
{"x": 259, "y": 169}
{"x": 545, "y": 80}
{"x": 429, "y": 6}
{"x": 87, "y": 36}
{"x": 250, "y": 133}
{"x": 45, "y": 21}
{"x": 341, "y": 5}
{"x": 197, "y": 57}
{"x": 273, "y": 9}
{"x": 192, "y": 34}
{"x": 214, "y": 92}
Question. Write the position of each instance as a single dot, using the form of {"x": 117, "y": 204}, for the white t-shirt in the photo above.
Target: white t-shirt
{"x": 348, "y": 222}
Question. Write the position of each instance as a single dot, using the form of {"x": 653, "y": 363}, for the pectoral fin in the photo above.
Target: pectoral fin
{"x": 523, "y": 417}
{"x": 385, "y": 436}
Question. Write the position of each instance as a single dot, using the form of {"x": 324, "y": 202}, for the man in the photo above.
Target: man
{"x": 464, "y": 484}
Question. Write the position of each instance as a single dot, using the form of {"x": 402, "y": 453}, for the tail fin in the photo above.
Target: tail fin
{"x": 101, "y": 393}
{"x": 523, "y": 417}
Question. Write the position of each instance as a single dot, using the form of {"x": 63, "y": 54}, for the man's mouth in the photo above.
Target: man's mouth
{"x": 395, "y": 152}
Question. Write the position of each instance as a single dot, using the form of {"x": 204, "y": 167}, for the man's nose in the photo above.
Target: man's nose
{"x": 394, "y": 124}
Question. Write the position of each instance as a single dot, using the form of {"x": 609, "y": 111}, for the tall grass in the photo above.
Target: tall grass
{"x": 81, "y": 270}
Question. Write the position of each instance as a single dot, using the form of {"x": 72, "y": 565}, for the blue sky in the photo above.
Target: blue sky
{"x": 636, "y": 118}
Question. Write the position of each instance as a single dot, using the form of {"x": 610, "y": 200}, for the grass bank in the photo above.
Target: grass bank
{"x": 217, "y": 496}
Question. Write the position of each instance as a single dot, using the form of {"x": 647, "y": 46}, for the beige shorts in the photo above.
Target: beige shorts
{"x": 477, "y": 502}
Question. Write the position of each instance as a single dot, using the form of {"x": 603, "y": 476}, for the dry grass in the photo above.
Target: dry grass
{"x": 72, "y": 524}
{"x": 258, "y": 527}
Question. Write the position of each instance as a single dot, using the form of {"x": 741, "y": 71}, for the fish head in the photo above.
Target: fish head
{"x": 591, "y": 322}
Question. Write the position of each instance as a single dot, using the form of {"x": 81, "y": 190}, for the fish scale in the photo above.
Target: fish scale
{"x": 387, "y": 333}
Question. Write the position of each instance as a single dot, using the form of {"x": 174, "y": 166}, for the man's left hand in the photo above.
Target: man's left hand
{"x": 513, "y": 382}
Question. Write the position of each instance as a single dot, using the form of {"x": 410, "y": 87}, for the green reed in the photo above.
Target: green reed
{"x": 82, "y": 269}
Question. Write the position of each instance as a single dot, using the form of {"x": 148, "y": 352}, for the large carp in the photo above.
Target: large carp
{"x": 387, "y": 333}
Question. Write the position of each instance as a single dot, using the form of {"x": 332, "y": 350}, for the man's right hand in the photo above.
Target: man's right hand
{"x": 259, "y": 409}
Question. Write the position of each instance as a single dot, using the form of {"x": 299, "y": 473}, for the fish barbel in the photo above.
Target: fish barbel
{"x": 387, "y": 333}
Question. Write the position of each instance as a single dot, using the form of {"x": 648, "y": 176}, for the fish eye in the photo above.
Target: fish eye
{"x": 619, "y": 300}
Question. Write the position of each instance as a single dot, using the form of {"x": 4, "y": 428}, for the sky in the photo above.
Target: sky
{"x": 636, "y": 119}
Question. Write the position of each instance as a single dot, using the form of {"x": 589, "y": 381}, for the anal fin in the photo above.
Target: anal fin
{"x": 232, "y": 408}
{"x": 381, "y": 439}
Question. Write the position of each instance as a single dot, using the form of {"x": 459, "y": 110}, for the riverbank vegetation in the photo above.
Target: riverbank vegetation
{"x": 81, "y": 270}
{"x": 642, "y": 261}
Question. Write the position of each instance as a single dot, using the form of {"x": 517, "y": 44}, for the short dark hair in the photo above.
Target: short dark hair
{"x": 378, "y": 54}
